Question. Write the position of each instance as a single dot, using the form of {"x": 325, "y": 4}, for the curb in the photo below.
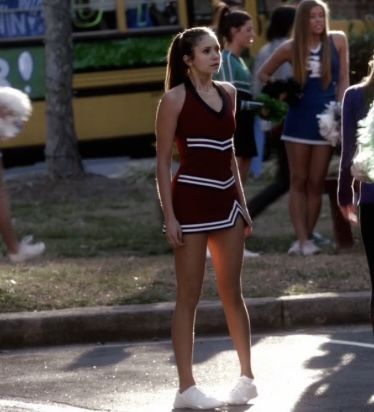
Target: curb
{"x": 152, "y": 321}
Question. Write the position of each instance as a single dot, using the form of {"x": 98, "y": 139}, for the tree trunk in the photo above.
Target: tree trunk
{"x": 61, "y": 151}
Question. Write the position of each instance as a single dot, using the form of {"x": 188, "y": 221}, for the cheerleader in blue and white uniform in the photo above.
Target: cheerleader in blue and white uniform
{"x": 319, "y": 59}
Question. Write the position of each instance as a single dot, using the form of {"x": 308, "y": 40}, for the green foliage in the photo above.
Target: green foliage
{"x": 112, "y": 54}
{"x": 273, "y": 110}
{"x": 361, "y": 48}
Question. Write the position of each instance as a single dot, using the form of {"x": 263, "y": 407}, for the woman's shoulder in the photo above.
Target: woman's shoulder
{"x": 285, "y": 48}
{"x": 232, "y": 60}
{"x": 354, "y": 93}
{"x": 337, "y": 34}
{"x": 176, "y": 91}
{"x": 228, "y": 87}
{"x": 174, "y": 97}
{"x": 227, "y": 55}
{"x": 286, "y": 45}
{"x": 338, "y": 37}
{"x": 357, "y": 88}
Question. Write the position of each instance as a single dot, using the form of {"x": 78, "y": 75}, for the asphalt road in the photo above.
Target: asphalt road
{"x": 326, "y": 369}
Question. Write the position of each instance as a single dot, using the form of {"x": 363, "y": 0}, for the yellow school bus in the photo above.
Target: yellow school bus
{"x": 120, "y": 48}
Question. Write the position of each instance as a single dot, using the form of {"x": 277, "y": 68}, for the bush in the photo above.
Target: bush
{"x": 361, "y": 48}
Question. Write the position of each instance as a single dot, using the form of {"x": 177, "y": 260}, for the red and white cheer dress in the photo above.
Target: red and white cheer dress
{"x": 204, "y": 193}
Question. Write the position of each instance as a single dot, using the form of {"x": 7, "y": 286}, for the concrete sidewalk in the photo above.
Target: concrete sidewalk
{"x": 152, "y": 321}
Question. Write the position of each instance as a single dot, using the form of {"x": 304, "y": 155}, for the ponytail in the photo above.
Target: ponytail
{"x": 176, "y": 68}
{"x": 227, "y": 20}
{"x": 183, "y": 44}
{"x": 222, "y": 30}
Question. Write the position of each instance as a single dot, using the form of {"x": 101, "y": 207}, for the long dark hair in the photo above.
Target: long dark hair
{"x": 301, "y": 33}
{"x": 183, "y": 44}
{"x": 229, "y": 19}
{"x": 281, "y": 22}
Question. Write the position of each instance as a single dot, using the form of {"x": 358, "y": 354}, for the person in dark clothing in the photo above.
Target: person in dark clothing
{"x": 279, "y": 29}
{"x": 356, "y": 103}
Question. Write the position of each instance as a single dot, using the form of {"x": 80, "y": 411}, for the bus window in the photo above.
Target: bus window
{"x": 201, "y": 12}
{"x": 90, "y": 15}
{"x": 144, "y": 14}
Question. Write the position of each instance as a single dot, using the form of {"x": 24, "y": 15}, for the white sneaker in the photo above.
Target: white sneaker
{"x": 308, "y": 248}
{"x": 249, "y": 254}
{"x": 295, "y": 249}
{"x": 320, "y": 240}
{"x": 27, "y": 250}
{"x": 194, "y": 398}
{"x": 242, "y": 392}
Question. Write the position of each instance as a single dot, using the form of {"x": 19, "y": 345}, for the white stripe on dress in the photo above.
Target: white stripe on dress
{"x": 220, "y": 145}
{"x": 219, "y": 224}
{"x": 202, "y": 181}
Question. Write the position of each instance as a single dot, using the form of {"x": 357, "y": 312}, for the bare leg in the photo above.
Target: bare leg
{"x": 243, "y": 166}
{"x": 6, "y": 227}
{"x": 318, "y": 167}
{"x": 226, "y": 247}
{"x": 299, "y": 159}
{"x": 190, "y": 268}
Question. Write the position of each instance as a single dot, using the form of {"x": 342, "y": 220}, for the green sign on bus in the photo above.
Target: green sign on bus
{"x": 23, "y": 68}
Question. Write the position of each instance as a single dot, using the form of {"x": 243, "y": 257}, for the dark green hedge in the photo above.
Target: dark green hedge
{"x": 361, "y": 49}
{"x": 121, "y": 53}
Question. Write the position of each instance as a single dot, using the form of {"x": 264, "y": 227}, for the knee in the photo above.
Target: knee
{"x": 230, "y": 295}
{"x": 298, "y": 183}
{"x": 188, "y": 298}
{"x": 315, "y": 187}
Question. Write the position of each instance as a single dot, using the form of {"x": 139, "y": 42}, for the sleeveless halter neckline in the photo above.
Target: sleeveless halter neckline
{"x": 190, "y": 85}
{"x": 204, "y": 193}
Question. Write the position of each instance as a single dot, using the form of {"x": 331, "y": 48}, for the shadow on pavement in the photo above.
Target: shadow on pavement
{"x": 99, "y": 357}
{"x": 203, "y": 349}
{"x": 346, "y": 383}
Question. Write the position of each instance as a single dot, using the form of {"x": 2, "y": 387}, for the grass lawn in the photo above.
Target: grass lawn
{"x": 105, "y": 247}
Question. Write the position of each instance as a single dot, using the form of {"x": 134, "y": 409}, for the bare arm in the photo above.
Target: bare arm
{"x": 239, "y": 188}
{"x": 341, "y": 44}
{"x": 166, "y": 123}
{"x": 346, "y": 192}
{"x": 280, "y": 55}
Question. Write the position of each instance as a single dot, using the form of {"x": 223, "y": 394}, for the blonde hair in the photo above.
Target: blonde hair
{"x": 369, "y": 81}
{"x": 301, "y": 38}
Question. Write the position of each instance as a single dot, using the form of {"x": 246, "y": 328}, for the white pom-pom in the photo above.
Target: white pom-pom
{"x": 363, "y": 161}
{"x": 329, "y": 123}
{"x": 15, "y": 110}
